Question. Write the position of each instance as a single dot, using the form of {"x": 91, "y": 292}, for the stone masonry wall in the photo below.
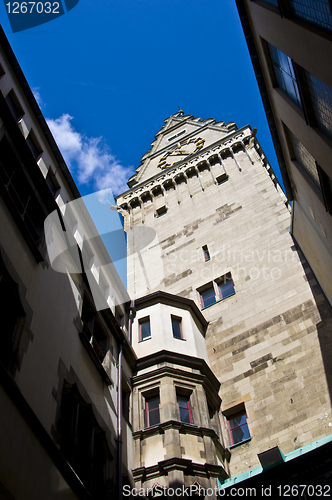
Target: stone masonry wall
{"x": 269, "y": 344}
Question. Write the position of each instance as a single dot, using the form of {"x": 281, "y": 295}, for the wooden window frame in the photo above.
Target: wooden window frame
{"x": 188, "y": 408}
{"x": 230, "y": 416}
{"x": 208, "y": 288}
{"x": 148, "y": 410}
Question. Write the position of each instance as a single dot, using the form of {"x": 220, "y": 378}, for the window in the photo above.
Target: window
{"x": 326, "y": 183}
{"x": 22, "y": 198}
{"x": 177, "y": 135}
{"x": 316, "y": 12}
{"x": 208, "y": 297}
{"x": 310, "y": 168}
{"x": 161, "y": 211}
{"x": 52, "y": 182}
{"x": 119, "y": 316}
{"x": 299, "y": 153}
{"x": 272, "y": 2}
{"x": 320, "y": 97}
{"x": 144, "y": 329}
{"x": 93, "y": 329}
{"x": 152, "y": 416}
{"x": 222, "y": 178}
{"x": 238, "y": 428}
{"x": 14, "y": 105}
{"x": 218, "y": 290}
{"x": 317, "y": 96}
{"x": 185, "y": 409}
{"x": 177, "y": 327}
{"x": 32, "y": 142}
{"x": 284, "y": 74}
{"x": 206, "y": 253}
{"x": 82, "y": 441}
{"x": 125, "y": 403}
{"x": 226, "y": 286}
{"x": 12, "y": 322}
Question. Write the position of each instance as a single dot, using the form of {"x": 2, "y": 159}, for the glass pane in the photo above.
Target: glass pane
{"x": 240, "y": 434}
{"x": 184, "y": 415}
{"x": 183, "y": 402}
{"x": 153, "y": 403}
{"x": 304, "y": 158}
{"x": 176, "y": 326}
{"x": 208, "y": 297}
{"x": 321, "y": 98}
{"x": 291, "y": 87}
{"x": 283, "y": 62}
{"x": 238, "y": 420}
{"x": 284, "y": 73}
{"x": 316, "y": 12}
{"x": 154, "y": 417}
{"x": 145, "y": 330}
{"x": 226, "y": 289}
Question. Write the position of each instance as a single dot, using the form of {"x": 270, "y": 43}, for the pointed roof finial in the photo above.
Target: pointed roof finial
{"x": 181, "y": 112}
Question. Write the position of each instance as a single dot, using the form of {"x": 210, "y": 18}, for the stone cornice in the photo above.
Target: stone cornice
{"x": 156, "y": 358}
{"x": 173, "y": 300}
{"x": 189, "y": 467}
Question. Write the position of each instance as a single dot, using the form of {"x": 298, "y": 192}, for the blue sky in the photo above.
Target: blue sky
{"x": 109, "y": 72}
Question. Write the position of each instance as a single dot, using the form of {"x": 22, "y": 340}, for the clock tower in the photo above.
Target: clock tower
{"x": 230, "y": 320}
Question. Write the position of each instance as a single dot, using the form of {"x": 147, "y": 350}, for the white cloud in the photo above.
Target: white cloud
{"x": 37, "y": 96}
{"x": 89, "y": 158}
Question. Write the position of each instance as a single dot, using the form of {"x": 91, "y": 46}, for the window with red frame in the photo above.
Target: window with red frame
{"x": 152, "y": 416}
{"x": 226, "y": 287}
{"x": 238, "y": 427}
{"x": 185, "y": 409}
{"x": 208, "y": 297}
{"x": 144, "y": 329}
{"x": 206, "y": 253}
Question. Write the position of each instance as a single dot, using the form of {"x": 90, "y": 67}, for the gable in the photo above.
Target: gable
{"x": 180, "y": 137}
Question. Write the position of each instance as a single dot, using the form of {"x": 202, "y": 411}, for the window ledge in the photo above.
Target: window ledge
{"x": 143, "y": 340}
{"x": 207, "y": 307}
{"x": 239, "y": 444}
{"x": 217, "y": 301}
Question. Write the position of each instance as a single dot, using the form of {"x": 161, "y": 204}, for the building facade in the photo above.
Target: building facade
{"x": 290, "y": 43}
{"x": 223, "y": 378}
{"x": 221, "y": 242}
{"x": 63, "y": 362}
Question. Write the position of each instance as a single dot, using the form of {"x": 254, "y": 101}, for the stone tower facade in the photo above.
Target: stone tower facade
{"x": 208, "y": 235}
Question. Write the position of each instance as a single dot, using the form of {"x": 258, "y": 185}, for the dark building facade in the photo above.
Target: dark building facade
{"x": 63, "y": 363}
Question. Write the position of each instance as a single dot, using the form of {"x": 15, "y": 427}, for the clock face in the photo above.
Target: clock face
{"x": 181, "y": 150}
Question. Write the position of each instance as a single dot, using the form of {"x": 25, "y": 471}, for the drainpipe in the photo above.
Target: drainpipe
{"x": 120, "y": 422}
{"x": 132, "y": 314}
